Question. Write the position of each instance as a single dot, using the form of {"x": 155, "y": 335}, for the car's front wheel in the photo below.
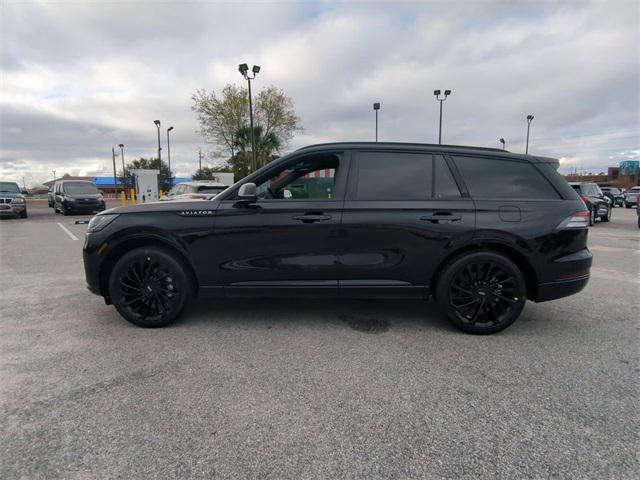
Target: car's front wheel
{"x": 607, "y": 216}
{"x": 149, "y": 286}
{"x": 482, "y": 292}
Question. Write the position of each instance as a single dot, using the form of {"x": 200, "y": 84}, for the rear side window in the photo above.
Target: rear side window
{"x": 394, "y": 176}
{"x": 492, "y": 178}
{"x": 445, "y": 184}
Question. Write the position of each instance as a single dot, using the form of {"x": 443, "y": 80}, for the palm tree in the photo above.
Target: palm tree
{"x": 266, "y": 145}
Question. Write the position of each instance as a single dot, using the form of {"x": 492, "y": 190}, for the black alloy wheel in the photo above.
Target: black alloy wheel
{"x": 482, "y": 292}
{"x": 150, "y": 287}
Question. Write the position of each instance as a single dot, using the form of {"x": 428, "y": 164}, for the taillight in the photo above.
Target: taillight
{"x": 576, "y": 220}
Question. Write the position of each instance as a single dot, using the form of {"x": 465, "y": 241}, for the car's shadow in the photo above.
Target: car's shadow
{"x": 370, "y": 317}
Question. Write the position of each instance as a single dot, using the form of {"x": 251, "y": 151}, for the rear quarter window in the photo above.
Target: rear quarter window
{"x": 496, "y": 178}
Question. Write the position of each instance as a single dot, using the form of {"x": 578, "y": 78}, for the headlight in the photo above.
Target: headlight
{"x": 100, "y": 197}
{"x": 98, "y": 222}
{"x": 17, "y": 200}
{"x": 69, "y": 199}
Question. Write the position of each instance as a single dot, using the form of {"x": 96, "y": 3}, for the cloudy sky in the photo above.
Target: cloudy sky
{"x": 79, "y": 77}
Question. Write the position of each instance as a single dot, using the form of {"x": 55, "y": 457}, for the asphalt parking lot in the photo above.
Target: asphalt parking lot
{"x": 311, "y": 389}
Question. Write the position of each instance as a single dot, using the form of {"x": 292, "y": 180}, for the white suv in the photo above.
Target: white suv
{"x": 631, "y": 197}
{"x": 197, "y": 190}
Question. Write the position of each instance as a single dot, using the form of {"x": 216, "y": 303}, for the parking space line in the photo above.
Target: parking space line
{"x": 67, "y": 231}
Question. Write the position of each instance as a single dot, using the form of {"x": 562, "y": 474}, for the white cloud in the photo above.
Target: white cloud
{"x": 78, "y": 78}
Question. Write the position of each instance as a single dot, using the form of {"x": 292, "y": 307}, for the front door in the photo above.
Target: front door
{"x": 403, "y": 212}
{"x": 290, "y": 237}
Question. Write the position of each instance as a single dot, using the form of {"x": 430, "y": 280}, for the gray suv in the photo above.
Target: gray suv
{"x": 12, "y": 201}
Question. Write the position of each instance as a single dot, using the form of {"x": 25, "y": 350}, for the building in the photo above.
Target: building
{"x": 625, "y": 176}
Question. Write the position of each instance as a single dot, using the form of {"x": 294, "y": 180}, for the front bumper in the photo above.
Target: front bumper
{"x": 85, "y": 207}
{"x": 11, "y": 209}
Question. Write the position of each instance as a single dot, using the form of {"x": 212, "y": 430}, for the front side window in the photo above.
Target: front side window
{"x": 493, "y": 178}
{"x": 394, "y": 176}
{"x": 307, "y": 179}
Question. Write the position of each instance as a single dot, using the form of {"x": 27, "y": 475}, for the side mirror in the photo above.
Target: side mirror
{"x": 247, "y": 193}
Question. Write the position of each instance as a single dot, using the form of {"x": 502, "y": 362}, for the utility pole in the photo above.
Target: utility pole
{"x": 24, "y": 185}
{"x": 54, "y": 174}
{"x": 200, "y": 160}
{"x": 437, "y": 95}
{"x": 122, "y": 155}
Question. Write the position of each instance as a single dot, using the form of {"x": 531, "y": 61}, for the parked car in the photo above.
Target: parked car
{"x": 50, "y": 195}
{"x": 479, "y": 229}
{"x": 77, "y": 196}
{"x": 614, "y": 194}
{"x": 595, "y": 201}
{"x": 12, "y": 201}
{"x": 631, "y": 197}
{"x": 196, "y": 190}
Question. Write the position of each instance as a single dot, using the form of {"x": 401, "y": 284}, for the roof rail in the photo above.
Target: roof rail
{"x": 413, "y": 144}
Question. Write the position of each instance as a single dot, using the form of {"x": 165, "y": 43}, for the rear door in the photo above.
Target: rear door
{"x": 403, "y": 212}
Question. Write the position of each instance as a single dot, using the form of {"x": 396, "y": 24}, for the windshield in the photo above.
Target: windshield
{"x": 80, "y": 188}
{"x": 9, "y": 187}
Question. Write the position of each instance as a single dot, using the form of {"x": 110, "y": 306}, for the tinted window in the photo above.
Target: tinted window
{"x": 394, "y": 176}
{"x": 492, "y": 178}
{"x": 445, "y": 185}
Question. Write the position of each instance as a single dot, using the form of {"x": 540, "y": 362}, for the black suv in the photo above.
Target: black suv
{"x": 76, "y": 196}
{"x": 480, "y": 229}
{"x": 595, "y": 201}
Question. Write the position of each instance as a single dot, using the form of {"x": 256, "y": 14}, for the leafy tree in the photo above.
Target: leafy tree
{"x": 224, "y": 121}
{"x": 209, "y": 173}
{"x": 164, "y": 181}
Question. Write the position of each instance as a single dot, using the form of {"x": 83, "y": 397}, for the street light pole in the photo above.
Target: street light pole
{"x": 437, "y": 94}
{"x": 529, "y": 120}
{"x": 122, "y": 156}
{"x": 376, "y": 107}
{"x": 503, "y": 143}
{"x": 243, "y": 68}
{"x": 113, "y": 157}
{"x": 169, "y": 155}
{"x": 157, "y": 122}
{"x": 54, "y": 174}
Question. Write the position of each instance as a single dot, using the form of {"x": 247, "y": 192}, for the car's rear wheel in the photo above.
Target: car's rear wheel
{"x": 482, "y": 292}
{"x": 150, "y": 287}
{"x": 607, "y": 216}
{"x": 593, "y": 216}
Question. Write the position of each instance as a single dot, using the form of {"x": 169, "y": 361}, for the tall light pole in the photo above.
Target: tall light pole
{"x": 376, "y": 107}
{"x": 169, "y": 155}
{"x": 503, "y": 143}
{"x": 121, "y": 145}
{"x": 529, "y": 120}
{"x": 441, "y": 100}
{"x": 243, "y": 68}
{"x": 157, "y": 122}
{"x": 115, "y": 178}
{"x": 54, "y": 174}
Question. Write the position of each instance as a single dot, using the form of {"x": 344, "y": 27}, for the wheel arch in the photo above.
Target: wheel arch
{"x": 128, "y": 244}
{"x": 513, "y": 254}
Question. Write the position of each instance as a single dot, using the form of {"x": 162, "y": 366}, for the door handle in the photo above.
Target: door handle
{"x": 312, "y": 217}
{"x": 441, "y": 217}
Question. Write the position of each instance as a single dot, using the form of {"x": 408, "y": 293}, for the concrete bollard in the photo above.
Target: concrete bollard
{"x": 123, "y": 199}
{"x": 133, "y": 196}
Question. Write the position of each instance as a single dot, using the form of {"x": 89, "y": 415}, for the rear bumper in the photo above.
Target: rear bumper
{"x": 570, "y": 275}
{"x": 554, "y": 290}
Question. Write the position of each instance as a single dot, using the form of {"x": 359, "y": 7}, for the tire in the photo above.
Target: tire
{"x": 592, "y": 217}
{"x": 607, "y": 216}
{"x": 63, "y": 209}
{"x": 150, "y": 286}
{"x": 482, "y": 292}
{"x": 626, "y": 205}
{"x": 24, "y": 214}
